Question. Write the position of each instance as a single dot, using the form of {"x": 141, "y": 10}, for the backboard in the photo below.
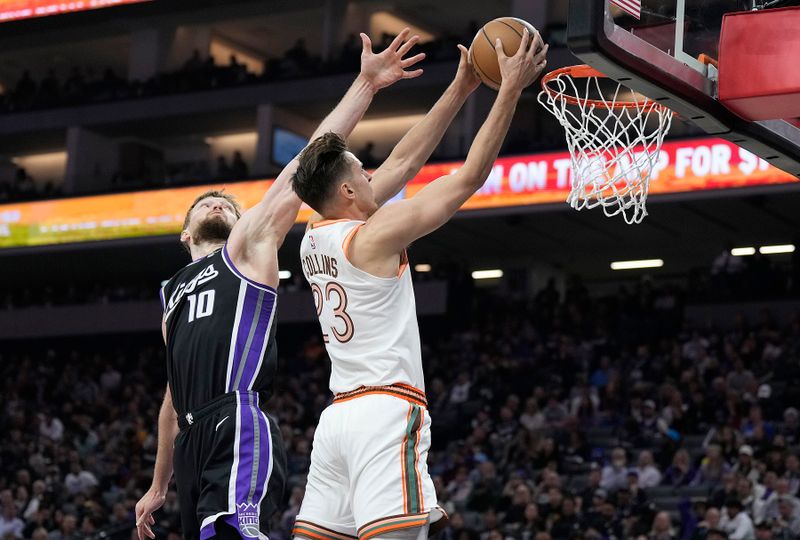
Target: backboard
{"x": 663, "y": 53}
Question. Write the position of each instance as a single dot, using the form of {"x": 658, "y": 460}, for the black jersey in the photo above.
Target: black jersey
{"x": 220, "y": 332}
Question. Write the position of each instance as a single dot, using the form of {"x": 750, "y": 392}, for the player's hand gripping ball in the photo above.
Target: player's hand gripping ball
{"x": 482, "y": 54}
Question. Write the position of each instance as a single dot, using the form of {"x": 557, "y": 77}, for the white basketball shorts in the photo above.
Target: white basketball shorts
{"x": 369, "y": 472}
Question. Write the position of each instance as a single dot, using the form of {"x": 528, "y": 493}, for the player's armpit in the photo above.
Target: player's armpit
{"x": 397, "y": 225}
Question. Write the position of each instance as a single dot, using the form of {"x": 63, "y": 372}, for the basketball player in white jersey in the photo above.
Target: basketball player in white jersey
{"x": 368, "y": 475}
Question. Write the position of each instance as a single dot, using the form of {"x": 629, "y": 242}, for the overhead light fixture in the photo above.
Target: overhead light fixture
{"x": 487, "y": 274}
{"x": 772, "y": 250}
{"x": 743, "y": 251}
{"x": 422, "y": 268}
{"x": 633, "y": 265}
{"x": 284, "y": 274}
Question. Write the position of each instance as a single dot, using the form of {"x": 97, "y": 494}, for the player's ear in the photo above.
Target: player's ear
{"x": 347, "y": 191}
{"x": 185, "y": 236}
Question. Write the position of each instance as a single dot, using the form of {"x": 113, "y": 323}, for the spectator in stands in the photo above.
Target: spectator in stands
{"x": 748, "y": 493}
{"x": 745, "y": 466}
{"x": 728, "y": 439}
{"x": 681, "y": 472}
{"x": 737, "y": 523}
{"x": 460, "y": 391}
{"x": 239, "y": 168}
{"x": 792, "y": 473}
{"x": 566, "y": 523}
{"x": 367, "y": 156}
{"x": 555, "y": 413}
{"x": 10, "y": 524}
{"x": 49, "y": 88}
{"x": 587, "y": 495}
{"x": 712, "y": 467}
{"x": 710, "y": 522}
{"x": 51, "y": 427}
{"x": 25, "y": 89}
{"x": 650, "y": 426}
{"x": 740, "y": 379}
{"x": 791, "y": 426}
{"x": 649, "y": 475}
{"x": 782, "y": 493}
{"x": 194, "y": 63}
{"x": 788, "y": 522}
{"x": 662, "y": 528}
{"x": 755, "y": 428}
{"x": 532, "y": 418}
{"x": 615, "y": 474}
{"x": 224, "y": 171}
{"x": 298, "y": 57}
{"x": 764, "y": 531}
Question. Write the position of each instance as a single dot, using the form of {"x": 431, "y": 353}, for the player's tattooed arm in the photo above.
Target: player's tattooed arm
{"x": 416, "y": 147}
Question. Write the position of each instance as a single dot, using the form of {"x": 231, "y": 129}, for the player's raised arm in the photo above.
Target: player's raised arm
{"x": 416, "y": 147}
{"x": 394, "y": 227}
{"x": 268, "y": 222}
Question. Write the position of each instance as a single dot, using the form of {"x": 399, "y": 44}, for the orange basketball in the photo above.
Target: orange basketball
{"x": 482, "y": 53}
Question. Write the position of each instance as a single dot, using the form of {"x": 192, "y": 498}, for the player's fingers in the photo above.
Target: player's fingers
{"x": 413, "y": 60}
{"x": 140, "y": 526}
{"x": 536, "y": 46}
{"x": 407, "y": 45}
{"x": 399, "y": 39}
{"x": 464, "y": 51}
{"x": 412, "y": 74}
{"x": 523, "y": 43}
{"x": 151, "y": 520}
{"x": 366, "y": 43}
{"x": 541, "y": 56}
{"x": 498, "y": 48}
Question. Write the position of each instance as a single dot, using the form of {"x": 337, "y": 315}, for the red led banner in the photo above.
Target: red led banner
{"x": 11, "y": 10}
{"x": 682, "y": 166}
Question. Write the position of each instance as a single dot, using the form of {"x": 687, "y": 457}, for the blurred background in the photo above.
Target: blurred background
{"x": 575, "y": 391}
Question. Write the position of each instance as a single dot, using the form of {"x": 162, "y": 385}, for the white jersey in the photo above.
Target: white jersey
{"x": 369, "y": 323}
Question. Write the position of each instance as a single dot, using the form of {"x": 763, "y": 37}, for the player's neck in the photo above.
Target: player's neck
{"x": 199, "y": 251}
{"x": 351, "y": 212}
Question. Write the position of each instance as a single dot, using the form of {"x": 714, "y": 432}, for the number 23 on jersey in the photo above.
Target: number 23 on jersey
{"x": 335, "y": 294}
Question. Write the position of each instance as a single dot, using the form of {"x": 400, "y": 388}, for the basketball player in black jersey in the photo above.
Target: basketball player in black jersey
{"x": 219, "y": 329}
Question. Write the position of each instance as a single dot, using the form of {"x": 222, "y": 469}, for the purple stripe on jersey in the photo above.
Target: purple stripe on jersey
{"x": 247, "y": 436}
{"x": 261, "y": 333}
{"x": 207, "y": 532}
{"x": 245, "y": 322}
{"x": 265, "y": 462}
{"x": 254, "y": 453}
{"x": 252, "y": 476}
{"x": 235, "y": 270}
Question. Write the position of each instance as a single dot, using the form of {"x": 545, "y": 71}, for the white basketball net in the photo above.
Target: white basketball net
{"x": 614, "y": 147}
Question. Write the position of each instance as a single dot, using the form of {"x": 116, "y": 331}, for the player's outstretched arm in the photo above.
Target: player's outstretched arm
{"x": 416, "y": 147}
{"x": 262, "y": 228}
{"x": 394, "y": 227}
{"x": 156, "y": 495}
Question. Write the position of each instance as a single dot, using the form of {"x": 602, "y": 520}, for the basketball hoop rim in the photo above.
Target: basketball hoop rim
{"x": 585, "y": 71}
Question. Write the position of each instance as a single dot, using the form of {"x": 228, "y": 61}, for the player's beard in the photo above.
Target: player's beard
{"x": 212, "y": 230}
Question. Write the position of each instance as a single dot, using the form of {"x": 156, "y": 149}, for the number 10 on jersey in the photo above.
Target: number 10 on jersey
{"x": 201, "y": 305}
